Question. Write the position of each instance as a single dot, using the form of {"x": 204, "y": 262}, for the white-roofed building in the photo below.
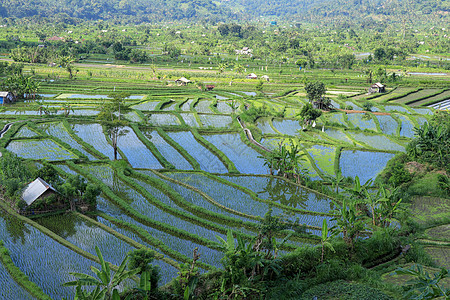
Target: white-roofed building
{"x": 38, "y": 189}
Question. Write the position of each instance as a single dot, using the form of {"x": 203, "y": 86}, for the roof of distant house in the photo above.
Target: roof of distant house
{"x": 35, "y": 190}
{"x": 183, "y": 79}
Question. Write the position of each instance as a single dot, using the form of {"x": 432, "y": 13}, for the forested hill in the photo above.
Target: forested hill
{"x": 223, "y": 10}
{"x": 131, "y": 10}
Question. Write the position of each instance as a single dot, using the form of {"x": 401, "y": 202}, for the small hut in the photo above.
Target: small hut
{"x": 38, "y": 189}
{"x": 252, "y": 76}
{"x": 182, "y": 81}
{"x": 377, "y": 88}
{"x": 265, "y": 77}
{"x": 6, "y": 97}
{"x": 209, "y": 87}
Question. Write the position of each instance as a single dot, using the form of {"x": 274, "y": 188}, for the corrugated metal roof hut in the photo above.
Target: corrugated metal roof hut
{"x": 6, "y": 97}
{"x": 38, "y": 189}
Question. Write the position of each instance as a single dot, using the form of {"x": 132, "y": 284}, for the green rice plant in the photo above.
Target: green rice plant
{"x": 146, "y": 106}
{"x": 161, "y": 214}
{"x": 280, "y": 190}
{"x": 207, "y": 160}
{"x": 379, "y": 142}
{"x": 180, "y": 149}
{"x": 159, "y": 119}
{"x": 136, "y": 152}
{"x": 355, "y": 163}
{"x": 19, "y": 277}
{"x": 161, "y": 158}
{"x": 215, "y": 121}
{"x": 85, "y": 145}
{"x": 149, "y": 238}
{"x": 266, "y": 126}
{"x": 243, "y": 157}
{"x": 25, "y": 132}
{"x": 202, "y": 106}
{"x": 362, "y": 121}
{"x": 58, "y": 131}
{"x": 39, "y": 149}
{"x": 42, "y": 247}
{"x": 189, "y": 119}
{"x": 93, "y": 135}
{"x": 323, "y": 157}
{"x": 211, "y": 147}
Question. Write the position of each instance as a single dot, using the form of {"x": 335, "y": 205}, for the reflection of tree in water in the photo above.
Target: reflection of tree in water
{"x": 285, "y": 193}
{"x": 16, "y": 228}
{"x": 118, "y": 187}
{"x": 63, "y": 225}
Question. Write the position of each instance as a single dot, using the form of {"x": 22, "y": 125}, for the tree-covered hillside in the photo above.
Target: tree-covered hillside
{"x": 317, "y": 11}
{"x": 137, "y": 11}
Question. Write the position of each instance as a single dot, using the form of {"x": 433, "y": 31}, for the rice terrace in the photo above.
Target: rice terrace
{"x": 182, "y": 176}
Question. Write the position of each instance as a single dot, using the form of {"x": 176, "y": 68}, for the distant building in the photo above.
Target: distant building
{"x": 265, "y": 77}
{"x": 377, "y": 88}
{"x": 244, "y": 51}
{"x": 38, "y": 189}
{"x": 6, "y": 97}
{"x": 252, "y": 76}
{"x": 209, "y": 87}
{"x": 55, "y": 38}
{"x": 182, "y": 81}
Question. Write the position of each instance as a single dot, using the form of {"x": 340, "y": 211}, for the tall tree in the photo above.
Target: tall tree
{"x": 111, "y": 118}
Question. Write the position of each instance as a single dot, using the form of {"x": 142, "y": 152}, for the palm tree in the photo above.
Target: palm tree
{"x": 67, "y": 63}
{"x": 222, "y": 67}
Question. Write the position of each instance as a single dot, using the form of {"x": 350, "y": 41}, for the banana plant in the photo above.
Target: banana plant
{"x": 424, "y": 286}
{"x": 324, "y": 239}
{"x": 106, "y": 285}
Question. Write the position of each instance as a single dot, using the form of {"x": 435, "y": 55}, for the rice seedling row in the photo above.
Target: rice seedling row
{"x": 25, "y": 132}
{"x": 170, "y": 245}
{"x": 202, "y": 106}
{"x": 46, "y": 262}
{"x": 167, "y": 151}
{"x": 362, "y": 121}
{"x": 87, "y": 236}
{"x": 227, "y": 195}
{"x": 364, "y": 164}
{"x": 45, "y": 149}
{"x": 208, "y": 161}
{"x": 323, "y": 157}
{"x": 146, "y": 106}
{"x": 137, "y": 154}
{"x": 246, "y": 159}
{"x": 215, "y": 121}
{"x": 57, "y": 130}
{"x": 286, "y": 193}
{"x": 143, "y": 206}
{"x": 10, "y": 289}
{"x": 194, "y": 197}
{"x": 163, "y": 119}
{"x": 189, "y": 119}
{"x": 289, "y": 127}
{"x": 407, "y": 126}
{"x": 265, "y": 126}
{"x": 93, "y": 135}
{"x": 380, "y": 142}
